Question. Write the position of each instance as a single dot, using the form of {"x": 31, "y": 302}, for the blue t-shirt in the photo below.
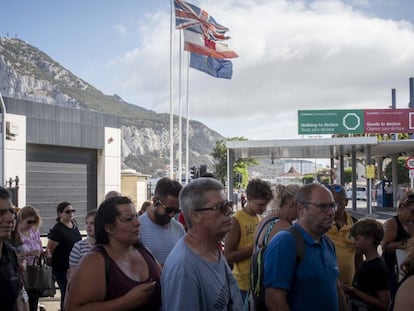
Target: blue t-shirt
{"x": 190, "y": 282}
{"x": 310, "y": 286}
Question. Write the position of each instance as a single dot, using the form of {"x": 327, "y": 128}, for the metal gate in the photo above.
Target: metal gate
{"x": 56, "y": 174}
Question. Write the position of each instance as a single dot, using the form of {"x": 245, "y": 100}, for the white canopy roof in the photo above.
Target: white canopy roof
{"x": 319, "y": 148}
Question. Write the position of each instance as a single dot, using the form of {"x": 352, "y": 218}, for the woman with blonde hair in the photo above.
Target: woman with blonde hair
{"x": 282, "y": 215}
{"x": 27, "y": 230}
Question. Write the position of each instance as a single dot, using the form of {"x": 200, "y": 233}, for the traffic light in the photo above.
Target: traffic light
{"x": 203, "y": 169}
{"x": 238, "y": 178}
{"x": 193, "y": 172}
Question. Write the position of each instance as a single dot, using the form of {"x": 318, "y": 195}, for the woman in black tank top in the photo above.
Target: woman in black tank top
{"x": 397, "y": 230}
{"x": 119, "y": 273}
{"x": 404, "y": 298}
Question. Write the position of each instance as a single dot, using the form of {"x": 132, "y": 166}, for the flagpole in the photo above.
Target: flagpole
{"x": 187, "y": 136}
{"x": 180, "y": 134}
{"x": 171, "y": 94}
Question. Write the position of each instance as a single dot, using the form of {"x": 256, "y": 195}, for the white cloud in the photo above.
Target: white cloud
{"x": 293, "y": 55}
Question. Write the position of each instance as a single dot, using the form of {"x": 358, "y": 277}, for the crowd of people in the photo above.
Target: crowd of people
{"x": 169, "y": 255}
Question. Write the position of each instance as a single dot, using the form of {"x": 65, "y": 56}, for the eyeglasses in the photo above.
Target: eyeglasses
{"x": 128, "y": 219}
{"x": 31, "y": 222}
{"x": 69, "y": 211}
{"x": 336, "y": 188}
{"x": 168, "y": 209}
{"x": 324, "y": 207}
{"x": 223, "y": 207}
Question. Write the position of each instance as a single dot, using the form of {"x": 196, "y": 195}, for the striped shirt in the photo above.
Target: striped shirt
{"x": 80, "y": 249}
{"x": 160, "y": 239}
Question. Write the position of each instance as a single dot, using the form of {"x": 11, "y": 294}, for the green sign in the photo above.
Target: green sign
{"x": 330, "y": 122}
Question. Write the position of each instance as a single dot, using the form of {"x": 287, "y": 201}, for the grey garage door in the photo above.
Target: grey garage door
{"x": 56, "y": 174}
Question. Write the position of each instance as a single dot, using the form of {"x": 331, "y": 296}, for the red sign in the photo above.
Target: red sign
{"x": 388, "y": 121}
{"x": 410, "y": 163}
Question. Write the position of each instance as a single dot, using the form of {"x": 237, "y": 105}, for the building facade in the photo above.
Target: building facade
{"x": 61, "y": 154}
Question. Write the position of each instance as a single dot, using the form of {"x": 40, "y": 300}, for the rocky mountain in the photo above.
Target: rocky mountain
{"x": 28, "y": 73}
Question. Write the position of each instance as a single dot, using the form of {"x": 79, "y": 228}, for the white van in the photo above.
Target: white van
{"x": 361, "y": 193}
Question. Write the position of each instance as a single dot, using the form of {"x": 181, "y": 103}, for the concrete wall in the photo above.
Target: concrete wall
{"x": 109, "y": 163}
{"x": 49, "y": 126}
{"x": 134, "y": 185}
{"x": 15, "y": 157}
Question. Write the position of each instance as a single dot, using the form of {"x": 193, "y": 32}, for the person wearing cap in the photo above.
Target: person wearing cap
{"x": 159, "y": 229}
{"x": 196, "y": 275}
{"x": 238, "y": 247}
{"x": 312, "y": 282}
{"x": 339, "y": 233}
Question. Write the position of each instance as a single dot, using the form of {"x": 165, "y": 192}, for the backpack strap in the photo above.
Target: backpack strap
{"x": 268, "y": 231}
{"x": 300, "y": 245}
{"x": 261, "y": 230}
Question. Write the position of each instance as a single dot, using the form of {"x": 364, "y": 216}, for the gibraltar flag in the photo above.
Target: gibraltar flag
{"x": 197, "y": 43}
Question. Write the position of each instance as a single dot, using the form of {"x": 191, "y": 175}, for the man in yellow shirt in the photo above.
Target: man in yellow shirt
{"x": 238, "y": 247}
{"x": 339, "y": 233}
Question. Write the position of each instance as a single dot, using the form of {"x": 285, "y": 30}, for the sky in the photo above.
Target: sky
{"x": 293, "y": 55}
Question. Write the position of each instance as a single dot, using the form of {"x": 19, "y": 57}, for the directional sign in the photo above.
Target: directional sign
{"x": 330, "y": 121}
{"x": 388, "y": 121}
{"x": 410, "y": 163}
{"x": 370, "y": 121}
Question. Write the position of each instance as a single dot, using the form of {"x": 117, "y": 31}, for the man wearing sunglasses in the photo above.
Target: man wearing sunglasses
{"x": 10, "y": 280}
{"x": 310, "y": 283}
{"x": 238, "y": 247}
{"x": 340, "y": 234}
{"x": 196, "y": 275}
{"x": 159, "y": 229}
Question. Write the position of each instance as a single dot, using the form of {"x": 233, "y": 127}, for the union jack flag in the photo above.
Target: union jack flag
{"x": 191, "y": 17}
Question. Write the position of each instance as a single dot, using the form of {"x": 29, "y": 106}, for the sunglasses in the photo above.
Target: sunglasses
{"x": 223, "y": 207}
{"x": 410, "y": 198}
{"x": 31, "y": 222}
{"x": 324, "y": 207}
{"x": 70, "y": 211}
{"x": 168, "y": 209}
{"x": 336, "y": 188}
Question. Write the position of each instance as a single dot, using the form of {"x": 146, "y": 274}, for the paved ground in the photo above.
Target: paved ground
{"x": 51, "y": 303}
{"x": 361, "y": 211}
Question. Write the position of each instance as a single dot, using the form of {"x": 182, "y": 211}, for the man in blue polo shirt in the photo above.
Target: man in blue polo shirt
{"x": 312, "y": 283}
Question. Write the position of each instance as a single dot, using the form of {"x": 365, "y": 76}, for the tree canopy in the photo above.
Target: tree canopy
{"x": 240, "y": 166}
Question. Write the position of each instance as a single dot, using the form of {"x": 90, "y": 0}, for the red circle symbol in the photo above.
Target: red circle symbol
{"x": 410, "y": 163}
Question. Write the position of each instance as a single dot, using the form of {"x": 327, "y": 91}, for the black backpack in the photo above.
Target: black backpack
{"x": 257, "y": 291}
